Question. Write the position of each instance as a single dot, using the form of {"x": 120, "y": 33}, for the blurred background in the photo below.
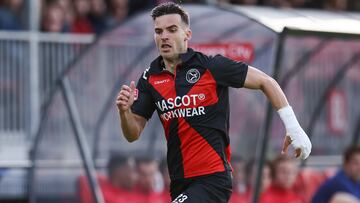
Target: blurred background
{"x": 62, "y": 63}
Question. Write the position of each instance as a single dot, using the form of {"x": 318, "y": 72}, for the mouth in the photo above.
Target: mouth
{"x": 165, "y": 46}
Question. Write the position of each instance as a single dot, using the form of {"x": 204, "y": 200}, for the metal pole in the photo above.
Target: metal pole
{"x": 81, "y": 140}
{"x": 263, "y": 143}
{"x": 34, "y": 149}
{"x": 34, "y": 15}
{"x": 35, "y": 102}
{"x": 34, "y": 83}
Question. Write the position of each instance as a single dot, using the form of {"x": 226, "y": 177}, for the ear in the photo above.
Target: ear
{"x": 188, "y": 34}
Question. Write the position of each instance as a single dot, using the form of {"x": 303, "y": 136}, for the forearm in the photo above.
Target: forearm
{"x": 130, "y": 127}
{"x": 257, "y": 79}
{"x": 274, "y": 93}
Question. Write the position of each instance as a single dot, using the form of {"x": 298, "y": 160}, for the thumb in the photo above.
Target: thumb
{"x": 132, "y": 86}
{"x": 287, "y": 142}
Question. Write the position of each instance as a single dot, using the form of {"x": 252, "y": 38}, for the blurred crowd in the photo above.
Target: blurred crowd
{"x": 144, "y": 179}
{"x": 130, "y": 180}
{"x": 97, "y": 16}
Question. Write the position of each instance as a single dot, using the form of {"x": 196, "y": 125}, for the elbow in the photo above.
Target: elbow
{"x": 268, "y": 82}
{"x": 132, "y": 138}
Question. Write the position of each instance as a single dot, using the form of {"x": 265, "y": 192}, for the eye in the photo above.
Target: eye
{"x": 158, "y": 31}
{"x": 173, "y": 29}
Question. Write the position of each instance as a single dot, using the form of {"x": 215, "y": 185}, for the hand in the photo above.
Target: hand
{"x": 300, "y": 141}
{"x": 125, "y": 97}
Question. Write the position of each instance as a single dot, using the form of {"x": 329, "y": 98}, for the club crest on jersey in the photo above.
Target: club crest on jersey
{"x": 192, "y": 75}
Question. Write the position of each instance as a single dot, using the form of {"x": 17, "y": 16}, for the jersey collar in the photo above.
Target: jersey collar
{"x": 157, "y": 66}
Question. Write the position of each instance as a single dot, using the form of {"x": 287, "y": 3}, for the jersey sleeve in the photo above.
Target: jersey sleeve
{"x": 143, "y": 105}
{"x": 228, "y": 72}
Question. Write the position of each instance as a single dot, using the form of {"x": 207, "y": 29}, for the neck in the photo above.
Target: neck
{"x": 170, "y": 65}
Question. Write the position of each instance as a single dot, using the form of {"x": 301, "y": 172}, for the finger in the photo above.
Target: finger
{"x": 297, "y": 152}
{"x": 286, "y": 143}
{"x": 125, "y": 93}
{"x": 125, "y": 87}
{"x": 123, "y": 90}
{"x": 132, "y": 86}
{"x": 122, "y": 103}
{"x": 124, "y": 98}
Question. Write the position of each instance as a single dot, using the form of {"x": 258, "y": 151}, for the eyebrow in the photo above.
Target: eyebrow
{"x": 169, "y": 27}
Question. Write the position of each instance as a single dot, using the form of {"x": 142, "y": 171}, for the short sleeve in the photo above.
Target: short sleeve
{"x": 228, "y": 72}
{"x": 143, "y": 105}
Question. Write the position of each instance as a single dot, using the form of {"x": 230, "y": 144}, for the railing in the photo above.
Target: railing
{"x": 29, "y": 65}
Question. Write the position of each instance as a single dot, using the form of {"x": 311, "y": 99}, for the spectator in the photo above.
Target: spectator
{"x": 244, "y": 2}
{"x": 122, "y": 172}
{"x": 68, "y": 12}
{"x": 277, "y": 3}
{"x": 53, "y": 19}
{"x": 297, "y": 3}
{"x": 284, "y": 172}
{"x": 240, "y": 190}
{"x": 81, "y": 22}
{"x": 336, "y": 5}
{"x": 119, "y": 186}
{"x": 135, "y": 6}
{"x": 119, "y": 10}
{"x": 222, "y": 2}
{"x": 149, "y": 180}
{"x": 10, "y": 12}
{"x": 251, "y": 176}
{"x": 97, "y": 15}
{"x": 345, "y": 183}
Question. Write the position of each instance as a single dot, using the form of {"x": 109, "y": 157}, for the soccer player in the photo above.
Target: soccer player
{"x": 189, "y": 91}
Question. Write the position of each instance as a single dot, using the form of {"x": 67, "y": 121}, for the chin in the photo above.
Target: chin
{"x": 167, "y": 56}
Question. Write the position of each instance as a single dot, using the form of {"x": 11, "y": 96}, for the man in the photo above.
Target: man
{"x": 189, "y": 90}
{"x": 284, "y": 171}
{"x": 118, "y": 186}
{"x": 345, "y": 185}
{"x": 250, "y": 180}
{"x": 150, "y": 180}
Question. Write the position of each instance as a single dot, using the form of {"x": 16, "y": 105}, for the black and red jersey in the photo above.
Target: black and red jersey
{"x": 193, "y": 106}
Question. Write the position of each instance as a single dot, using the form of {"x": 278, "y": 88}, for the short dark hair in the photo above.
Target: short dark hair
{"x": 170, "y": 8}
{"x": 350, "y": 151}
{"x": 115, "y": 162}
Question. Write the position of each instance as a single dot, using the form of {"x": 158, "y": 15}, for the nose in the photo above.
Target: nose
{"x": 164, "y": 36}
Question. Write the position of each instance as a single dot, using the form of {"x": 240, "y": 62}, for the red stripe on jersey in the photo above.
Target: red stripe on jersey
{"x": 199, "y": 158}
{"x": 164, "y": 84}
{"x": 205, "y": 88}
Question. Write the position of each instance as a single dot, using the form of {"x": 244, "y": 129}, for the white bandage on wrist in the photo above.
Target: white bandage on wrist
{"x": 298, "y": 137}
{"x": 288, "y": 117}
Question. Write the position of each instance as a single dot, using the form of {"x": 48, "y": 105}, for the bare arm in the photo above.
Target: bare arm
{"x": 256, "y": 79}
{"x": 295, "y": 135}
{"x": 131, "y": 124}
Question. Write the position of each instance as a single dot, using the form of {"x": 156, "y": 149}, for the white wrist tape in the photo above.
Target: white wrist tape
{"x": 288, "y": 117}
{"x": 299, "y": 139}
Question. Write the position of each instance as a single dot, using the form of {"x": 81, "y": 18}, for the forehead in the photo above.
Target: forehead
{"x": 167, "y": 20}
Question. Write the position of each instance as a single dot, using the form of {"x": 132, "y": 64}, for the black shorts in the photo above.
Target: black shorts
{"x": 213, "y": 188}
